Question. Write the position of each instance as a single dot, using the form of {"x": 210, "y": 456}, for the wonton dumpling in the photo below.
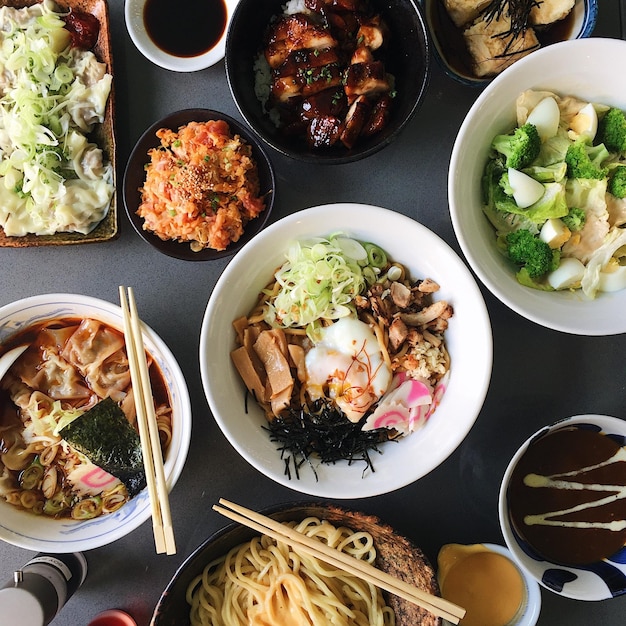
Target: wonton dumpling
{"x": 98, "y": 353}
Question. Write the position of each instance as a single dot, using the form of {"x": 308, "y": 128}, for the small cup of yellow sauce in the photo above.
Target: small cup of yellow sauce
{"x": 486, "y": 582}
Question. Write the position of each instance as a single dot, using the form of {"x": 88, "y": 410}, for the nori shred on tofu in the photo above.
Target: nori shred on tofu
{"x": 106, "y": 438}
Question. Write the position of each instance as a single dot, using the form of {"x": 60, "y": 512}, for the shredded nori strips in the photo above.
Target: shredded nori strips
{"x": 519, "y": 13}
{"x": 106, "y": 438}
{"x": 324, "y": 432}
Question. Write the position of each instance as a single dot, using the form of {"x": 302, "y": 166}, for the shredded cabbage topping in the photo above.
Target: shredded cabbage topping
{"x": 320, "y": 279}
{"x": 47, "y": 420}
{"x": 52, "y": 178}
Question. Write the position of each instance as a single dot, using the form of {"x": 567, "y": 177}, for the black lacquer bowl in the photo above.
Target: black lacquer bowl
{"x": 407, "y": 59}
{"x": 134, "y": 178}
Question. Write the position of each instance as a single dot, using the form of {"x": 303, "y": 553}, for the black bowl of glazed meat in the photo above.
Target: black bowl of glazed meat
{"x": 331, "y": 81}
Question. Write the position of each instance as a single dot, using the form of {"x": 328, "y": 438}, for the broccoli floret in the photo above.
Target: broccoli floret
{"x": 521, "y": 147}
{"x": 585, "y": 161}
{"x": 612, "y": 130}
{"x": 505, "y": 184}
{"x": 531, "y": 253}
{"x": 494, "y": 194}
{"x": 617, "y": 182}
{"x": 575, "y": 219}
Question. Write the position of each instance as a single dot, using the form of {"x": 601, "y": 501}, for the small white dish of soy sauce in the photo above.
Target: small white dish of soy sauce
{"x": 176, "y": 38}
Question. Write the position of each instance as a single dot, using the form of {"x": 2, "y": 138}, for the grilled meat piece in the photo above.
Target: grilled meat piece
{"x": 372, "y": 33}
{"x": 366, "y": 78}
{"x": 330, "y": 102}
{"x": 356, "y": 118}
{"x": 379, "y": 116}
{"x": 324, "y": 130}
{"x": 362, "y": 54}
{"x": 305, "y": 72}
{"x": 325, "y": 76}
{"x": 296, "y": 32}
{"x": 306, "y": 82}
{"x": 297, "y": 60}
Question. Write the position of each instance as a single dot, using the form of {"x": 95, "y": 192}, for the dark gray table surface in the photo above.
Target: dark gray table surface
{"x": 539, "y": 375}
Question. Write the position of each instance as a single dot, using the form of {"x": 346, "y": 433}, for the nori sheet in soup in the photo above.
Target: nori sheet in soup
{"x": 106, "y": 438}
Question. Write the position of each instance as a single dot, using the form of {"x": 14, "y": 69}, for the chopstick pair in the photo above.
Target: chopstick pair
{"x": 147, "y": 423}
{"x": 280, "y": 532}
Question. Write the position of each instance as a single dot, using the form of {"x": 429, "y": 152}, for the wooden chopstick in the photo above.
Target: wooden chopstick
{"x": 280, "y": 532}
{"x": 147, "y": 423}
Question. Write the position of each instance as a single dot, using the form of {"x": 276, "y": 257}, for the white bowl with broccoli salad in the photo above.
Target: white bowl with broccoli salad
{"x": 537, "y": 187}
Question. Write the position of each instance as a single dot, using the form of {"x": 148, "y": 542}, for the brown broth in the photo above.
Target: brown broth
{"x": 28, "y": 336}
{"x": 186, "y": 30}
{"x": 540, "y": 492}
{"x": 454, "y": 50}
{"x": 450, "y": 39}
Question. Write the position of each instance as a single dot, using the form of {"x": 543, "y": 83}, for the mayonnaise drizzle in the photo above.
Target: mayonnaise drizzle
{"x": 618, "y": 492}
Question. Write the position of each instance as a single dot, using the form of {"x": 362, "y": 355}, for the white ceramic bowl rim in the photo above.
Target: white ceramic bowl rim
{"x": 133, "y": 14}
{"x": 38, "y": 533}
{"x": 468, "y": 337}
{"x": 494, "y": 111}
{"x": 578, "y": 583}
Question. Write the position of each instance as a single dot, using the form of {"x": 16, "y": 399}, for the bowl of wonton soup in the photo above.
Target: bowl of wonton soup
{"x": 87, "y": 345}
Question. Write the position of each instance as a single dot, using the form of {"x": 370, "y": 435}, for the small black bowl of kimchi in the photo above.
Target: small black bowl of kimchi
{"x": 328, "y": 81}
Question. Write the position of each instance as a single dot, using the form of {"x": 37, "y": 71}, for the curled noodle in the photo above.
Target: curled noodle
{"x": 256, "y": 581}
{"x": 29, "y": 500}
{"x": 164, "y": 425}
{"x": 49, "y": 453}
{"x": 113, "y": 499}
{"x": 87, "y": 508}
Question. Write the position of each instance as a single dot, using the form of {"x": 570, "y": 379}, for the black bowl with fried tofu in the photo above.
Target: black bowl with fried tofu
{"x": 328, "y": 81}
{"x": 475, "y": 40}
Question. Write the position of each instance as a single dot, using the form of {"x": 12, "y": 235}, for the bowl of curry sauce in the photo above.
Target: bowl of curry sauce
{"x": 484, "y": 579}
{"x": 562, "y": 507}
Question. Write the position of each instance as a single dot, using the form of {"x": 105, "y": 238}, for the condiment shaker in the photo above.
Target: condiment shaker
{"x": 40, "y": 589}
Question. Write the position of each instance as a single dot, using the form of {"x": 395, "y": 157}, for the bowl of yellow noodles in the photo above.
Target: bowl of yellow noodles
{"x": 198, "y": 588}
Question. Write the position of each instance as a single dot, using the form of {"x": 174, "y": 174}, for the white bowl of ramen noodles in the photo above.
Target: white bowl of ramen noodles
{"x": 52, "y": 497}
{"x": 454, "y": 401}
